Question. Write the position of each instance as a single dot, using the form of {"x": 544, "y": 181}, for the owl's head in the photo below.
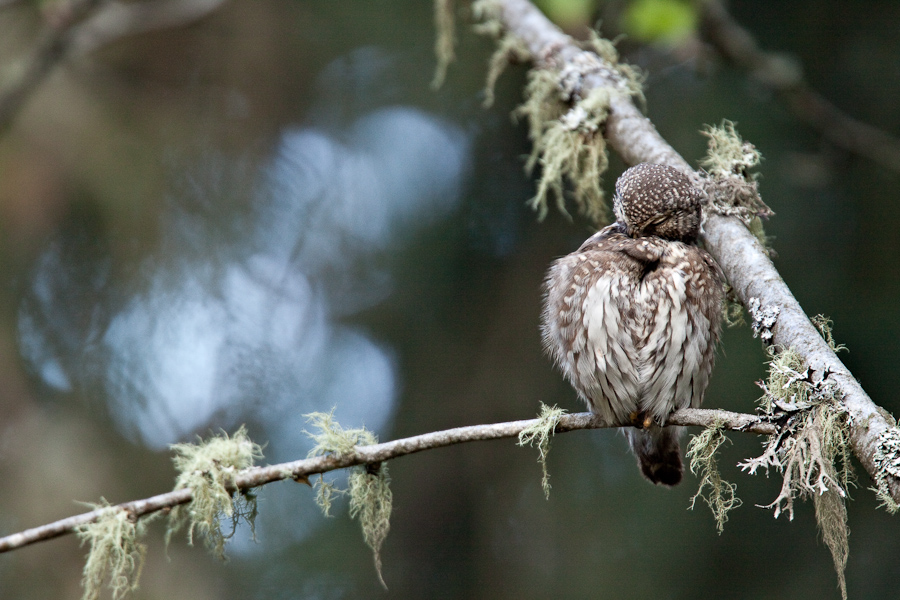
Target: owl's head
{"x": 657, "y": 200}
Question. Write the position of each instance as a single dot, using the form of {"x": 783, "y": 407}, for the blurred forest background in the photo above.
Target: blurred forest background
{"x": 269, "y": 212}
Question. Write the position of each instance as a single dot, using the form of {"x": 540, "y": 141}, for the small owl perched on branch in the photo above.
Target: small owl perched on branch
{"x": 633, "y": 316}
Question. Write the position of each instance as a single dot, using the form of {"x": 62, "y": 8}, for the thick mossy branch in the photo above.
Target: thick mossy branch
{"x": 539, "y": 435}
{"x": 721, "y": 496}
{"x": 208, "y": 470}
{"x": 369, "y": 489}
{"x": 811, "y": 448}
{"x": 729, "y": 183}
{"x": 116, "y": 556}
{"x": 445, "y": 40}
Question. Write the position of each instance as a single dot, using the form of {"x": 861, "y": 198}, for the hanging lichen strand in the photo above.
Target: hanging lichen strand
{"x": 369, "y": 489}
{"x": 116, "y": 556}
{"x": 720, "y": 495}
{"x": 812, "y": 446}
{"x": 565, "y": 119}
{"x": 444, "y": 41}
{"x": 539, "y": 435}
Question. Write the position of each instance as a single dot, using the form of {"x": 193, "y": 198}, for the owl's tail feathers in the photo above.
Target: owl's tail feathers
{"x": 658, "y": 453}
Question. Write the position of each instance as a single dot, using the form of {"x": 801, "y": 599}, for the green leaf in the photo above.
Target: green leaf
{"x": 665, "y": 21}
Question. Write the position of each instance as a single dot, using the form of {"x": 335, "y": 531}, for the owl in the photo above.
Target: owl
{"x": 632, "y": 318}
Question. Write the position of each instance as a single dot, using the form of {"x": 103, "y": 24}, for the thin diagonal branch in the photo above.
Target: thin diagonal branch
{"x": 746, "y": 265}
{"x": 84, "y": 26}
{"x": 52, "y": 47}
{"x": 301, "y": 469}
{"x": 783, "y": 77}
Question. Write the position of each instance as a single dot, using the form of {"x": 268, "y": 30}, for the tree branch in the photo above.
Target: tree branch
{"x": 785, "y": 78}
{"x": 52, "y": 47}
{"x": 748, "y": 269}
{"x": 300, "y": 470}
{"x": 83, "y": 26}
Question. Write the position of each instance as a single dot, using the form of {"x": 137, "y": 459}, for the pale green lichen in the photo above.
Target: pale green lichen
{"x": 331, "y": 438}
{"x": 631, "y": 77}
{"x": 565, "y": 117}
{"x": 539, "y": 434}
{"x": 721, "y": 496}
{"x": 824, "y": 325}
{"x": 116, "y": 556}
{"x": 887, "y": 463}
{"x": 510, "y": 50}
{"x": 811, "y": 448}
{"x": 727, "y": 153}
{"x": 568, "y": 144}
{"x": 729, "y": 183}
{"x": 208, "y": 469}
{"x": 371, "y": 500}
{"x": 444, "y": 43}
{"x": 732, "y": 309}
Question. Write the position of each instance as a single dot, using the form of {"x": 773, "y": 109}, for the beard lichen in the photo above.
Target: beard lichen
{"x": 732, "y": 309}
{"x": 811, "y": 447}
{"x": 371, "y": 500}
{"x": 539, "y": 435}
{"x": 721, "y": 496}
{"x": 115, "y": 556}
{"x": 887, "y": 460}
{"x": 568, "y": 143}
{"x": 565, "y": 115}
{"x": 208, "y": 469}
{"x": 444, "y": 42}
{"x": 729, "y": 183}
{"x": 510, "y": 48}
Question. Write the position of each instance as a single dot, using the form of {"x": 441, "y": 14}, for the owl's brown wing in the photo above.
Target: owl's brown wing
{"x": 589, "y": 319}
{"x": 682, "y": 302}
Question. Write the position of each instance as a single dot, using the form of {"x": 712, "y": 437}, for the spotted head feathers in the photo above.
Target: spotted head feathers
{"x": 657, "y": 200}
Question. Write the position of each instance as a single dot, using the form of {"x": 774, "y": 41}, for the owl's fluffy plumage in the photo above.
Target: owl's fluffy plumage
{"x": 633, "y": 316}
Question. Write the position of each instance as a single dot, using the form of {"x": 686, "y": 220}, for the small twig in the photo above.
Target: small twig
{"x": 84, "y": 26}
{"x": 122, "y": 19}
{"x": 738, "y": 46}
{"x": 51, "y": 48}
{"x": 301, "y": 469}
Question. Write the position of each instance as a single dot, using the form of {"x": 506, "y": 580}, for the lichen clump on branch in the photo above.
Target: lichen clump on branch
{"x": 371, "y": 500}
{"x": 565, "y": 114}
{"x": 539, "y": 434}
{"x": 812, "y": 446}
{"x": 721, "y": 495}
{"x": 729, "y": 182}
{"x": 208, "y": 469}
{"x": 116, "y": 556}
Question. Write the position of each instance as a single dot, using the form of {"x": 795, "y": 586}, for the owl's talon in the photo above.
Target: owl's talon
{"x": 640, "y": 419}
